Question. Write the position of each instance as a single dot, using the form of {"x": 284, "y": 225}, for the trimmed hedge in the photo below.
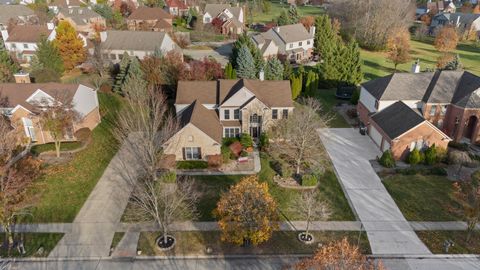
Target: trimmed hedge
{"x": 192, "y": 164}
{"x": 424, "y": 171}
{"x": 387, "y": 160}
{"x": 459, "y": 146}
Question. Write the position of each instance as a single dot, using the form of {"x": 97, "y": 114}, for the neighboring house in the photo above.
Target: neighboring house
{"x": 231, "y": 18}
{"x": 19, "y": 14}
{"x": 135, "y": 43}
{"x": 83, "y": 19}
{"x": 55, "y": 5}
{"x": 150, "y": 19}
{"x": 465, "y": 22}
{"x": 209, "y": 111}
{"x": 404, "y": 111}
{"x": 289, "y": 42}
{"x": 177, "y": 7}
{"x": 22, "y": 39}
{"x": 23, "y": 98}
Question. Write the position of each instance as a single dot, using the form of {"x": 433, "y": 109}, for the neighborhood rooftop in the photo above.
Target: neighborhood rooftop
{"x": 215, "y": 9}
{"x": 204, "y": 119}
{"x": 133, "y": 40}
{"x": 13, "y": 11}
{"x": 147, "y": 13}
{"x": 397, "y": 119}
{"x": 80, "y": 15}
{"x": 28, "y": 33}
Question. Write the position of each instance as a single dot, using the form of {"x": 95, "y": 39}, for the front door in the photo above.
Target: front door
{"x": 254, "y": 132}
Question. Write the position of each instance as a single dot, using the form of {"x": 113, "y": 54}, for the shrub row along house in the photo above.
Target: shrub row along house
{"x": 21, "y": 103}
{"x": 406, "y": 111}
{"x": 289, "y": 42}
{"x": 209, "y": 111}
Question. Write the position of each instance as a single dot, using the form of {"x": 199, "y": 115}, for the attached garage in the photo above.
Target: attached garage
{"x": 376, "y": 136}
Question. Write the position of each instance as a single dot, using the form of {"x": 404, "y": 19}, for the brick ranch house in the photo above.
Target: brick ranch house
{"x": 209, "y": 111}
{"x": 19, "y": 105}
{"x": 403, "y": 111}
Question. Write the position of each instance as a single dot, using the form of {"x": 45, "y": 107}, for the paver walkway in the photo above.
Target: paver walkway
{"x": 387, "y": 229}
{"x": 92, "y": 231}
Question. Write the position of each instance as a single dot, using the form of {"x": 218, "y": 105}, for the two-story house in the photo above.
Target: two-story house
{"x": 209, "y": 111}
{"x": 22, "y": 39}
{"x": 289, "y": 42}
{"x": 83, "y": 19}
{"x": 17, "y": 14}
{"x": 150, "y": 19}
{"x": 21, "y": 106}
{"x": 136, "y": 43}
{"x": 404, "y": 111}
{"x": 466, "y": 23}
{"x": 231, "y": 18}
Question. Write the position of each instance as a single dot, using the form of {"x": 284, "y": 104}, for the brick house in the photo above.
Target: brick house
{"x": 150, "y": 19}
{"x": 231, "y": 18}
{"x": 404, "y": 111}
{"x": 20, "y": 99}
{"x": 209, "y": 111}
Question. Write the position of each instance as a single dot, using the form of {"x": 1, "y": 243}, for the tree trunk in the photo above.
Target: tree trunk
{"x": 57, "y": 148}
{"x": 307, "y": 229}
{"x": 470, "y": 228}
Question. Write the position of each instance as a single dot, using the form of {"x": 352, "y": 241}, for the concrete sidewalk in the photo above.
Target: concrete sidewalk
{"x": 387, "y": 229}
{"x": 92, "y": 231}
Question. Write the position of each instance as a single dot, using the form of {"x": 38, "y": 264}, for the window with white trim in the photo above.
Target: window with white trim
{"x": 231, "y": 132}
{"x": 226, "y": 114}
{"x": 443, "y": 110}
{"x": 192, "y": 153}
{"x": 285, "y": 113}
{"x": 300, "y": 44}
{"x": 274, "y": 114}
{"x": 236, "y": 114}
{"x": 433, "y": 110}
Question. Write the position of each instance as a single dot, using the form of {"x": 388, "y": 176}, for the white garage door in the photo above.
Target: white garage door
{"x": 386, "y": 146}
{"x": 376, "y": 136}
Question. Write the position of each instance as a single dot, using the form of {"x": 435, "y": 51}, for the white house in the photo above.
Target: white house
{"x": 135, "y": 43}
{"x": 22, "y": 39}
{"x": 289, "y": 42}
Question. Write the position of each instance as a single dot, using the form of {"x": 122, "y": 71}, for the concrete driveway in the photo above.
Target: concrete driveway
{"x": 387, "y": 229}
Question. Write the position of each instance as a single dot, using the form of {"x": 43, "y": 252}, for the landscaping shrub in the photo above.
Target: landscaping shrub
{"x": 352, "y": 113}
{"x": 226, "y": 153}
{"x": 387, "y": 160}
{"x": 309, "y": 180}
{"x": 286, "y": 170}
{"x": 263, "y": 140}
{"x": 169, "y": 177}
{"x": 459, "y": 146}
{"x": 244, "y": 154}
{"x": 414, "y": 157}
{"x": 192, "y": 164}
{"x": 236, "y": 148}
{"x": 214, "y": 161}
{"x": 355, "y": 97}
{"x": 229, "y": 141}
{"x": 407, "y": 171}
{"x": 246, "y": 140}
{"x": 431, "y": 155}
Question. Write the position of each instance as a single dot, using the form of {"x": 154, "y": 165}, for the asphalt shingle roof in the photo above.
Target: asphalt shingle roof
{"x": 80, "y": 15}
{"x": 8, "y": 12}
{"x": 204, "y": 119}
{"x": 397, "y": 119}
{"x": 133, "y": 40}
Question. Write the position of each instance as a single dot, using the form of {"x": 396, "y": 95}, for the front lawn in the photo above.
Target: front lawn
{"x": 211, "y": 187}
{"x": 276, "y": 9}
{"x": 423, "y": 197}
{"x": 329, "y": 101}
{"x": 64, "y": 146}
{"x": 436, "y": 239}
{"x": 195, "y": 243}
{"x": 62, "y": 189}
{"x": 32, "y": 242}
{"x": 375, "y": 64}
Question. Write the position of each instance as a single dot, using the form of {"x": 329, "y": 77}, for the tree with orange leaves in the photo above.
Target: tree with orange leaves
{"x": 398, "y": 47}
{"x": 446, "y": 39}
{"x": 307, "y": 21}
{"x": 339, "y": 255}
{"x": 70, "y": 46}
{"x": 476, "y": 9}
{"x": 247, "y": 213}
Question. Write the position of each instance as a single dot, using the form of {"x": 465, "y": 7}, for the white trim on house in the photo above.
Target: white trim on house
{"x": 37, "y": 92}
{"x": 18, "y": 107}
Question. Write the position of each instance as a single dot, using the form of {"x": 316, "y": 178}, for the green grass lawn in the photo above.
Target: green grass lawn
{"x": 375, "y": 64}
{"x": 260, "y": 17}
{"x": 211, "y": 187}
{"x": 32, "y": 242}
{"x": 64, "y": 146}
{"x": 329, "y": 100}
{"x": 434, "y": 241}
{"x": 62, "y": 189}
{"x": 195, "y": 243}
{"x": 423, "y": 198}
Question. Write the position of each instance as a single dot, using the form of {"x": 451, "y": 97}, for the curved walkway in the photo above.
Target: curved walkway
{"x": 388, "y": 231}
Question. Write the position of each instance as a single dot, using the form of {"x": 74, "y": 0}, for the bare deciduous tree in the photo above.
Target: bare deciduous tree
{"x": 370, "y": 21}
{"x": 296, "y": 137}
{"x": 310, "y": 207}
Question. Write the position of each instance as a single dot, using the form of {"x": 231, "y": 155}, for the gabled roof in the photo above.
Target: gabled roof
{"x": 397, "y": 119}
{"x": 80, "y": 15}
{"x": 204, "y": 119}
{"x": 176, "y": 3}
{"x": 215, "y": 9}
{"x": 134, "y": 40}
{"x": 66, "y": 3}
{"x": 462, "y": 18}
{"x": 205, "y": 92}
{"x": 148, "y": 13}
{"x": 28, "y": 33}
{"x": 8, "y": 12}
{"x": 291, "y": 33}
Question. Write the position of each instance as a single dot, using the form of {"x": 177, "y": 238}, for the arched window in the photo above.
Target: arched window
{"x": 254, "y": 118}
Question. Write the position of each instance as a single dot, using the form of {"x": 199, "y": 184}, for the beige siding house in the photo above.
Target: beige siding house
{"x": 209, "y": 111}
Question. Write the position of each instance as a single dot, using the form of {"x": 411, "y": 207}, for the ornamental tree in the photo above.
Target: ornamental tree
{"x": 70, "y": 45}
{"x": 310, "y": 207}
{"x": 446, "y": 39}
{"x": 398, "y": 47}
{"x": 247, "y": 212}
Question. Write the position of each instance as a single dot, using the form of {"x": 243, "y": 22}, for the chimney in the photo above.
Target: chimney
{"x": 103, "y": 36}
{"x": 22, "y": 77}
{"x": 277, "y": 29}
{"x": 416, "y": 66}
{"x": 4, "y": 34}
{"x": 312, "y": 31}
{"x": 261, "y": 75}
{"x": 50, "y": 26}
{"x": 458, "y": 20}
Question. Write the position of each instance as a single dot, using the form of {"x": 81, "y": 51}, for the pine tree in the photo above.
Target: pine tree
{"x": 7, "y": 66}
{"x": 122, "y": 73}
{"x": 311, "y": 83}
{"x": 254, "y": 51}
{"x": 355, "y": 74}
{"x": 230, "y": 72}
{"x": 69, "y": 45}
{"x": 273, "y": 69}
{"x": 283, "y": 19}
{"x": 455, "y": 64}
{"x": 325, "y": 37}
{"x": 296, "y": 84}
{"x": 293, "y": 16}
{"x": 245, "y": 65}
{"x": 287, "y": 70}
{"x": 49, "y": 59}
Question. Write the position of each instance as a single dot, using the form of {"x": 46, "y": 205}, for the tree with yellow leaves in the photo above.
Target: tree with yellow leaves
{"x": 398, "y": 46}
{"x": 70, "y": 45}
{"x": 247, "y": 213}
